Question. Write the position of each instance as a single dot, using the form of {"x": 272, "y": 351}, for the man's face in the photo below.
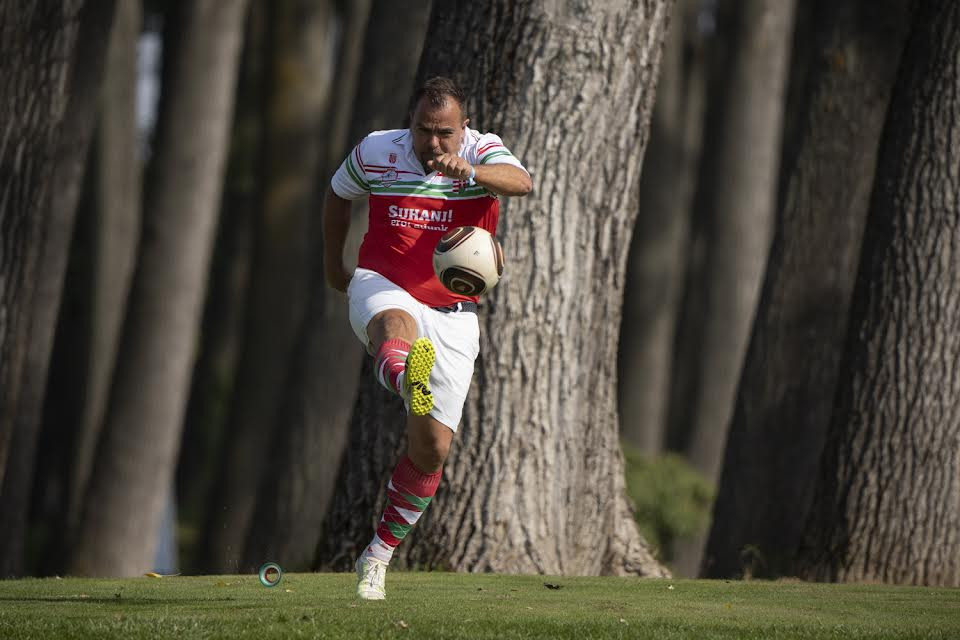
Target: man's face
{"x": 437, "y": 130}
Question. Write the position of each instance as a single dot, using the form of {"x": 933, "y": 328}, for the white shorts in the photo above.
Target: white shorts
{"x": 455, "y": 337}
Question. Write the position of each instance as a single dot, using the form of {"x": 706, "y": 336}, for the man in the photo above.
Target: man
{"x": 421, "y": 182}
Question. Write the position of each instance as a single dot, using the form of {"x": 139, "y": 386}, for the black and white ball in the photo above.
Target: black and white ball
{"x": 468, "y": 261}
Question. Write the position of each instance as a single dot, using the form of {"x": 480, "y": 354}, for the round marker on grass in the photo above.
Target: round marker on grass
{"x": 270, "y": 574}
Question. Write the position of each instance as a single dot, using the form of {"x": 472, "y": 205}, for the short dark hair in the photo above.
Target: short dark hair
{"x": 436, "y": 90}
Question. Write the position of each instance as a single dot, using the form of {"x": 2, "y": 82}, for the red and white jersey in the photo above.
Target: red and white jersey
{"x": 410, "y": 211}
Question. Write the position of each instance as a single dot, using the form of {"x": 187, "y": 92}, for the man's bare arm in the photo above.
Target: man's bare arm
{"x": 336, "y": 223}
{"x": 502, "y": 179}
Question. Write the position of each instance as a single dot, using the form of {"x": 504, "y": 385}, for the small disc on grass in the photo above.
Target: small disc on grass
{"x": 270, "y": 574}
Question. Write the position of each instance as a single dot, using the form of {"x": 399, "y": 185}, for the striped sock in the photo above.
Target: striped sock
{"x": 408, "y": 494}
{"x": 390, "y": 363}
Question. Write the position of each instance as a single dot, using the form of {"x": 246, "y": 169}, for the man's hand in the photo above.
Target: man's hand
{"x": 450, "y": 165}
{"x": 337, "y": 276}
{"x": 336, "y": 223}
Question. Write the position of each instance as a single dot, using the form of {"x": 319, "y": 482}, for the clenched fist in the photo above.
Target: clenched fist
{"x": 450, "y": 165}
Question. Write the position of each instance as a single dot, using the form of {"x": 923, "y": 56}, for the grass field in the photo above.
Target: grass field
{"x": 444, "y": 605}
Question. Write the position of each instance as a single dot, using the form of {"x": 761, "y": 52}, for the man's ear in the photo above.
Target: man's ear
{"x": 466, "y": 122}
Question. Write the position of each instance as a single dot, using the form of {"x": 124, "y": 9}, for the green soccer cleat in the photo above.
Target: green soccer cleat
{"x": 416, "y": 379}
{"x": 371, "y": 575}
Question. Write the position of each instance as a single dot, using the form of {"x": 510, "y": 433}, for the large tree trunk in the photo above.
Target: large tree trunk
{"x": 71, "y": 154}
{"x": 535, "y": 483}
{"x": 744, "y": 163}
{"x": 887, "y": 502}
{"x": 117, "y": 183}
{"x": 36, "y": 46}
{"x": 300, "y": 69}
{"x": 383, "y": 103}
{"x": 790, "y": 374}
{"x": 214, "y": 375}
{"x": 353, "y": 17}
{"x": 738, "y": 198}
{"x": 293, "y": 501}
{"x": 133, "y": 470}
{"x": 655, "y": 267}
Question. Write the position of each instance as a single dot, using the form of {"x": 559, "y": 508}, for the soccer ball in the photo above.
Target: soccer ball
{"x": 468, "y": 261}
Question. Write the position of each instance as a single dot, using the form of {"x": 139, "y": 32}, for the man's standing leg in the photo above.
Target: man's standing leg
{"x": 402, "y": 364}
{"x": 409, "y": 491}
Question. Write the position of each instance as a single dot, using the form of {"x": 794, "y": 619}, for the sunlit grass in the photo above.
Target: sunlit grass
{"x": 444, "y": 605}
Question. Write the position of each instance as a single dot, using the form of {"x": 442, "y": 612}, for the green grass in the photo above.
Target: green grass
{"x": 445, "y": 605}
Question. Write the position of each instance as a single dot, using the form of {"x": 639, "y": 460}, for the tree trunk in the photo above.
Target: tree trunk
{"x": 738, "y": 198}
{"x": 293, "y": 501}
{"x": 383, "y": 104}
{"x": 300, "y": 69}
{"x": 655, "y": 266}
{"x": 36, "y": 45}
{"x": 214, "y": 375}
{"x": 790, "y": 373}
{"x": 86, "y": 65}
{"x": 133, "y": 470}
{"x": 744, "y": 188}
{"x": 536, "y": 482}
{"x": 887, "y": 501}
{"x": 117, "y": 185}
{"x": 46, "y": 532}
{"x": 353, "y": 17}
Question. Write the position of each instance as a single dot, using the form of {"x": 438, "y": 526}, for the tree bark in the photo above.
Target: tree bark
{"x": 736, "y": 200}
{"x": 76, "y": 128}
{"x": 887, "y": 501}
{"x": 214, "y": 375}
{"x": 133, "y": 470}
{"x": 300, "y": 71}
{"x": 117, "y": 184}
{"x": 790, "y": 374}
{"x": 36, "y": 45}
{"x": 745, "y": 165}
{"x": 293, "y": 501}
{"x": 536, "y": 482}
{"x": 655, "y": 267}
{"x": 393, "y": 59}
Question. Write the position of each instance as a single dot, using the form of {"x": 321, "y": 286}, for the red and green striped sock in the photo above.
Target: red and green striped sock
{"x": 408, "y": 494}
{"x": 390, "y": 364}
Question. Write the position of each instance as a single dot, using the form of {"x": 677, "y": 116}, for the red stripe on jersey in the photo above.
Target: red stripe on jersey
{"x": 491, "y": 145}
{"x": 356, "y": 152}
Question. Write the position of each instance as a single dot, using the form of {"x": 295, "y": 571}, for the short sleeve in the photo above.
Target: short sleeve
{"x": 350, "y": 181}
{"x": 490, "y": 150}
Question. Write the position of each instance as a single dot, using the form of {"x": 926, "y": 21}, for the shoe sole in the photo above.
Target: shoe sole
{"x": 419, "y": 364}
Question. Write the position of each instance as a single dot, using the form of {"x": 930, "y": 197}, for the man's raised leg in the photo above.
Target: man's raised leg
{"x": 402, "y": 361}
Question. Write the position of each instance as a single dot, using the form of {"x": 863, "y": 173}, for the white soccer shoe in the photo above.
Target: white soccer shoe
{"x": 371, "y": 575}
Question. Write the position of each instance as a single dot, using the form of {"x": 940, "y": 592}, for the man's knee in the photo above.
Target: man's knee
{"x": 428, "y": 443}
{"x": 389, "y": 324}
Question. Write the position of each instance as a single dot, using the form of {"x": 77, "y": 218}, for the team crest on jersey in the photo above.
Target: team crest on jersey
{"x": 459, "y": 185}
{"x": 389, "y": 177}
{"x": 392, "y": 158}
